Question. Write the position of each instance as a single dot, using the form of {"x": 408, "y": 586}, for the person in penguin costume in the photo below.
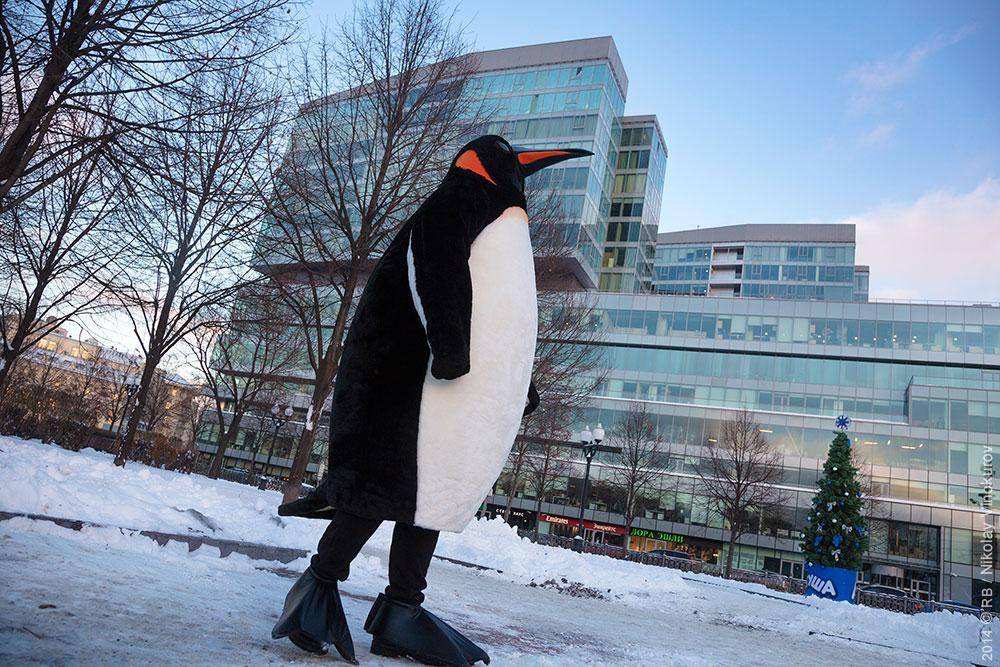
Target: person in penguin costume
{"x": 433, "y": 381}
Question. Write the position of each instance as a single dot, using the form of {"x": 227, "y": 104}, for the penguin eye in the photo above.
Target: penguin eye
{"x": 504, "y": 147}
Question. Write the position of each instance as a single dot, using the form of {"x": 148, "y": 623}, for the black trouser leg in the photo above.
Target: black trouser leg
{"x": 340, "y": 545}
{"x": 409, "y": 558}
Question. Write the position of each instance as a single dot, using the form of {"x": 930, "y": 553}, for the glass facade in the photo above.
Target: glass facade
{"x": 634, "y": 216}
{"x": 799, "y": 271}
{"x": 922, "y": 384}
{"x": 575, "y": 106}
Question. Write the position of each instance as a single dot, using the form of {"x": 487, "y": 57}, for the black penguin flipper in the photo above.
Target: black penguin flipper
{"x": 472, "y": 652}
{"x": 533, "y": 400}
{"x": 313, "y": 617}
{"x": 442, "y": 287}
{"x": 313, "y": 505}
{"x": 407, "y": 630}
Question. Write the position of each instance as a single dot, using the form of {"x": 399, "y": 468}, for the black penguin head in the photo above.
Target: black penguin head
{"x": 496, "y": 162}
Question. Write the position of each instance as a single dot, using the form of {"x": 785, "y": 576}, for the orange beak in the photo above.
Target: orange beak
{"x": 534, "y": 160}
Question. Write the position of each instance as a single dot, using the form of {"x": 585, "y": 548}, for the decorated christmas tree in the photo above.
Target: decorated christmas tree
{"x": 836, "y": 534}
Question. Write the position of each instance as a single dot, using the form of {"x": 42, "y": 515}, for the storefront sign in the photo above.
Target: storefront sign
{"x": 589, "y": 525}
{"x": 658, "y": 535}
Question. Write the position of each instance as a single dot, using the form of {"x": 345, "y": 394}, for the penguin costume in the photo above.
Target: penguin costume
{"x": 433, "y": 381}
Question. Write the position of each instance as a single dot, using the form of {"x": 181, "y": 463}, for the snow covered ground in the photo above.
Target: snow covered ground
{"x": 107, "y": 596}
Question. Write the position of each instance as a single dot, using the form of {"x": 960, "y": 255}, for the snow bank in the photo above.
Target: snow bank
{"x": 495, "y": 544}
{"x": 45, "y": 479}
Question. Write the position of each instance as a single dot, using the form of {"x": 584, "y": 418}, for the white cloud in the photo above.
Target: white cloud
{"x": 874, "y": 79}
{"x": 943, "y": 246}
{"x": 878, "y": 135}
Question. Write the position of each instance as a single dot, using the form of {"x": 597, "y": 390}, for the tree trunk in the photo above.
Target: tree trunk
{"x": 293, "y": 489}
{"x": 135, "y": 414}
{"x": 63, "y": 53}
{"x": 538, "y": 513}
{"x": 323, "y": 387}
{"x": 226, "y": 439}
{"x": 5, "y": 372}
{"x": 515, "y": 475}
{"x": 15, "y": 346}
{"x": 729, "y": 556}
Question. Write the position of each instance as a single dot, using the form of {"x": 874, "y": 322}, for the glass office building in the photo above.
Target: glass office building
{"x": 808, "y": 262}
{"x": 920, "y": 381}
{"x": 634, "y": 218}
{"x": 563, "y": 95}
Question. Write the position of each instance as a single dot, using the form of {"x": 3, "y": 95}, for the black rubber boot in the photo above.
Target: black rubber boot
{"x": 408, "y": 630}
{"x": 313, "y": 505}
{"x": 314, "y": 618}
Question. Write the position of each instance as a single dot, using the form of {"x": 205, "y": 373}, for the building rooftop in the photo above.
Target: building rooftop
{"x": 765, "y": 233}
{"x": 646, "y": 119}
{"x": 552, "y": 53}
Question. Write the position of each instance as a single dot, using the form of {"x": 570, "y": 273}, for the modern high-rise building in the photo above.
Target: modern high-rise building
{"x": 634, "y": 217}
{"x": 572, "y": 95}
{"x": 806, "y": 262}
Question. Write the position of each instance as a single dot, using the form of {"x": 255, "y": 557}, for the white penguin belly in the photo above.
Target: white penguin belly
{"x": 467, "y": 426}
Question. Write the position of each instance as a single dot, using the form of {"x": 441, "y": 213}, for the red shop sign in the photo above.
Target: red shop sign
{"x": 589, "y": 525}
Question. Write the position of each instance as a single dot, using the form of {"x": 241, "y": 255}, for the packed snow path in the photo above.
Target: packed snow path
{"x": 103, "y": 596}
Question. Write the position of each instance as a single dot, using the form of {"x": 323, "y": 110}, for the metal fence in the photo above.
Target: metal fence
{"x": 266, "y": 482}
{"x": 776, "y": 582}
{"x": 908, "y": 605}
{"x": 771, "y": 580}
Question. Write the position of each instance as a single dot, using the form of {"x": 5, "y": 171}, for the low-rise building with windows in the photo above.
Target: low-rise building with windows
{"x": 805, "y": 262}
{"x": 920, "y": 381}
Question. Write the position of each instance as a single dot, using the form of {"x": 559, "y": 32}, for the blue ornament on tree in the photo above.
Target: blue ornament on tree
{"x": 843, "y": 423}
{"x": 837, "y": 540}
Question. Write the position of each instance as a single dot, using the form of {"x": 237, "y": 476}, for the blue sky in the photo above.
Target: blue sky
{"x": 882, "y": 114}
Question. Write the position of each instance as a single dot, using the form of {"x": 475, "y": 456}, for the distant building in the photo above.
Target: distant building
{"x": 921, "y": 382}
{"x": 802, "y": 262}
{"x": 67, "y": 362}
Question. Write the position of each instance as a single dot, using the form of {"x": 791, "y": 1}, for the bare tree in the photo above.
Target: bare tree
{"x": 63, "y": 61}
{"x": 161, "y": 402}
{"x": 55, "y": 258}
{"x": 87, "y": 396}
{"x": 195, "y": 211}
{"x": 122, "y": 377}
{"x": 244, "y": 358}
{"x": 197, "y": 406}
{"x": 383, "y": 108}
{"x": 545, "y": 466}
{"x": 739, "y": 475}
{"x": 637, "y": 441}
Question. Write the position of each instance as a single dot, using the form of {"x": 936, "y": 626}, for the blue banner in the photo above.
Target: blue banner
{"x": 834, "y": 583}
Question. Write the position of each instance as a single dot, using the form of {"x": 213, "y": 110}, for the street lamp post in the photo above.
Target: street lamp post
{"x": 589, "y": 442}
{"x": 279, "y": 419}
